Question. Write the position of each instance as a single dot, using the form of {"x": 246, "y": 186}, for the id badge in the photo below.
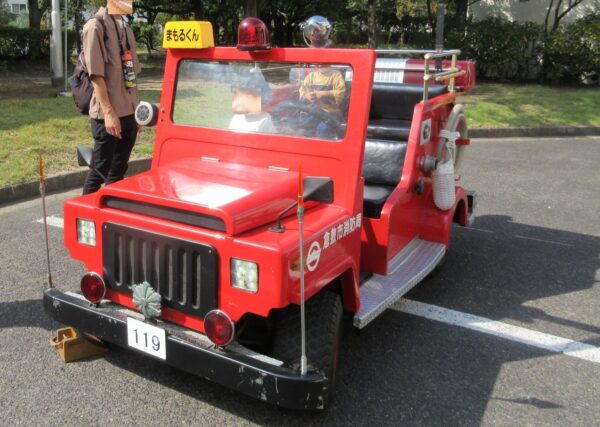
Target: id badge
{"x": 128, "y": 71}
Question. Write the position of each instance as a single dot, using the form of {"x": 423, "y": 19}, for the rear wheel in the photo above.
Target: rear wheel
{"x": 324, "y": 314}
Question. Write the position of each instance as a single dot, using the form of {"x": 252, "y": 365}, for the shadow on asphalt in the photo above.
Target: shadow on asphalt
{"x": 27, "y": 313}
{"x": 405, "y": 369}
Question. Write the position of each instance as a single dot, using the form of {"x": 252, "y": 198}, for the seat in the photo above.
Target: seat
{"x": 382, "y": 170}
{"x": 390, "y": 119}
{"x": 392, "y": 107}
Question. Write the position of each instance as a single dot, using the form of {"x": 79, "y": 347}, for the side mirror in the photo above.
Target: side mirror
{"x": 84, "y": 156}
{"x": 318, "y": 189}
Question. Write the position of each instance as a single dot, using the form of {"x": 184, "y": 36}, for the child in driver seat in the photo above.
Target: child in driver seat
{"x": 250, "y": 91}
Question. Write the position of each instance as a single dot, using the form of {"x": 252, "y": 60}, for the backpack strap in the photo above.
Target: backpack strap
{"x": 100, "y": 19}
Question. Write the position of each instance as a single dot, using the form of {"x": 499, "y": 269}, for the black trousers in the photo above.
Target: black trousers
{"x": 111, "y": 154}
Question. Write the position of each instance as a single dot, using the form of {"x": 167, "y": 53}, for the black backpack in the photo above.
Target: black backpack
{"x": 80, "y": 82}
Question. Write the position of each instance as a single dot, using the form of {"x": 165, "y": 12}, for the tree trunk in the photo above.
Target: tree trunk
{"x": 372, "y": 25}
{"x": 460, "y": 17}
{"x": 251, "y": 9}
{"x": 35, "y": 14}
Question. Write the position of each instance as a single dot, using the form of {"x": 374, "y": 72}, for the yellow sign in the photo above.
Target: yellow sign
{"x": 188, "y": 35}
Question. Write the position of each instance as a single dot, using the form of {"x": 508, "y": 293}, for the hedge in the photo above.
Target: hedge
{"x": 28, "y": 43}
{"x": 573, "y": 52}
{"x": 513, "y": 51}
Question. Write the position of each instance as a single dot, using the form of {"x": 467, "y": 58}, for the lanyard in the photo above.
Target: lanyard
{"x": 119, "y": 35}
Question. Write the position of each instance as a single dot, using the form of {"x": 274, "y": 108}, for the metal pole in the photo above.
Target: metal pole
{"x": 439, "y": 35}
{"x": 56, "y": 44}
{"x": 66, "y": 55}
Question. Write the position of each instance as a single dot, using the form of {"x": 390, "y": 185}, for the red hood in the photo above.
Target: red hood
{"x": 244, "y": 197}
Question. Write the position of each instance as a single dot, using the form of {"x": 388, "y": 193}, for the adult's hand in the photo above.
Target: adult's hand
{"x": 112, "y": 124}
{"x": 111, "y": 121}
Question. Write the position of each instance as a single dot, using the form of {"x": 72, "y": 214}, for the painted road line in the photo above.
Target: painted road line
{"x": 553, "y": 242}
{"x": 53, "y": 221}
{"x": 502, "y": 330}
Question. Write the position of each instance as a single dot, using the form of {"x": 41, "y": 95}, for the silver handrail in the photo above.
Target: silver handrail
{"x": 446, "y": 74}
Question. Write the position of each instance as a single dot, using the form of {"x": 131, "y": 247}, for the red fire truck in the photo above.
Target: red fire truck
{"x": 236, "y": 256}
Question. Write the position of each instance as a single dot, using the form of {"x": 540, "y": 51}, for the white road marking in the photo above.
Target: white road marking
{"x": 53, "y": 221}
{"x": 503, "y": 330}
{"x": 477, "y": 229}
{"x": 543, "y": 240}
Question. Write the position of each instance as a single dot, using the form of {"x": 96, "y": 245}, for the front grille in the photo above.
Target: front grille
{"x": 183, "y": 272}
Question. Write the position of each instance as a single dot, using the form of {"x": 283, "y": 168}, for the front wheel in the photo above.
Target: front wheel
{"x": 323, "y": 334}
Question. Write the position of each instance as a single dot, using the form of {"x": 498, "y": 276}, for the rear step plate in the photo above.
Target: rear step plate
{"x": 406, "y": 269}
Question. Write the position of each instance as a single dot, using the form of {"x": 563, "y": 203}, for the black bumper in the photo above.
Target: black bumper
{"x": 239, "y": 369}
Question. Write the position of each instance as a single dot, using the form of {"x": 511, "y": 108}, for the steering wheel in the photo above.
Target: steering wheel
{"x": 289, "y": 119}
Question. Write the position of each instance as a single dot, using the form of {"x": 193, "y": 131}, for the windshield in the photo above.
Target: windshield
{"x": 300, "y": 99}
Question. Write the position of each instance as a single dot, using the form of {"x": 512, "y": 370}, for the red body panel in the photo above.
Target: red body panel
{"x": 406, "y": 214}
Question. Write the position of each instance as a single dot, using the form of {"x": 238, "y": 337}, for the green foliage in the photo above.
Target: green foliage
{"x": 502, "y": 50}
{"x": 24, "y": 43}
{"x": 574, "y": 52}
{"x": 513, "y": 51}
{"x": 4, "y": 14}
{"x": 146, "y": 35}
{"x": 28, "y": 43}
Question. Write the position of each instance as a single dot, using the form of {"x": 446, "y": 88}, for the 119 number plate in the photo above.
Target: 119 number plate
{"x": 147, "y": 338}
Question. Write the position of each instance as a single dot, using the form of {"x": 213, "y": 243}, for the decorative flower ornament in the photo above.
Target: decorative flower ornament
{"x": 147, "y": 300}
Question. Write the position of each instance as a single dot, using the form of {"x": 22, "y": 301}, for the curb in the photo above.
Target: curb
{"x": 65, "y": 181}
{"x": 75, "y": 179}
{"x": 549, "y": 131}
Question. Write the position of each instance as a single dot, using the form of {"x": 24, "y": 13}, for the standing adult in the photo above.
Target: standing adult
{"x": 112, "y": 63}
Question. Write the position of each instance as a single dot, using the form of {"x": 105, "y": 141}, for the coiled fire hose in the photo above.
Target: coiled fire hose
{"x": 448, "y": 158}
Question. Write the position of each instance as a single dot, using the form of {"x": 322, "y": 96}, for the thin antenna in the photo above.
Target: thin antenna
{"x": 300, "y": 213}
{"x": 43, "y": 194}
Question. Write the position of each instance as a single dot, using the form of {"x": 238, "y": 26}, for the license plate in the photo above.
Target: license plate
{"x": 147, "y": 338}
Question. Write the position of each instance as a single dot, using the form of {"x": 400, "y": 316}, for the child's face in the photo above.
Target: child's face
{"x": 246, "y": 101}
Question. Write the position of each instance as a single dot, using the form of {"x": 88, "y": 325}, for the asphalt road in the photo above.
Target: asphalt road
{"x": 532, "y": 260}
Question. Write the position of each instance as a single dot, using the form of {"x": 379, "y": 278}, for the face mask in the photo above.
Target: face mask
{"x": 120, "y": 7}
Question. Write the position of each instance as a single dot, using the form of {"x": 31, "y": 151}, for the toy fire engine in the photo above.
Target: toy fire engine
{"x": 266, "y": 215}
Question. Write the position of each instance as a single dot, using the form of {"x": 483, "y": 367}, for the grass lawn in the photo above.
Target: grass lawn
{"x": 33, "y": 118}
{"x": 494, "y": 105}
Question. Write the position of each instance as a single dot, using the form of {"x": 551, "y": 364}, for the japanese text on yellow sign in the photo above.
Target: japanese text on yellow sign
{"x": 188, "y": 35}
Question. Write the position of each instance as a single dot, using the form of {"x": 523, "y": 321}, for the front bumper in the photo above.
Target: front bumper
{"x": 235, "y": 367}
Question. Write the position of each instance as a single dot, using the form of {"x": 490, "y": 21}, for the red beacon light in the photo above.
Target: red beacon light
{"x": 253, "y": 35}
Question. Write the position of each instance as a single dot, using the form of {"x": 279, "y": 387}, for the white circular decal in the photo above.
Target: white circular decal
{"x": 314, "y": 254}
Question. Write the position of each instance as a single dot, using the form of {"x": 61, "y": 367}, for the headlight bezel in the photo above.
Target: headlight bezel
{"x": 244, "y": 275}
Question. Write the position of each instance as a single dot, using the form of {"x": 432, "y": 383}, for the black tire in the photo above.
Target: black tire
{"x": 324, "y": 314}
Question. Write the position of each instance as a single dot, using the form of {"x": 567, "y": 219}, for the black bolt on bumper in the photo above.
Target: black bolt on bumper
{"x": 235, "y": 367}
